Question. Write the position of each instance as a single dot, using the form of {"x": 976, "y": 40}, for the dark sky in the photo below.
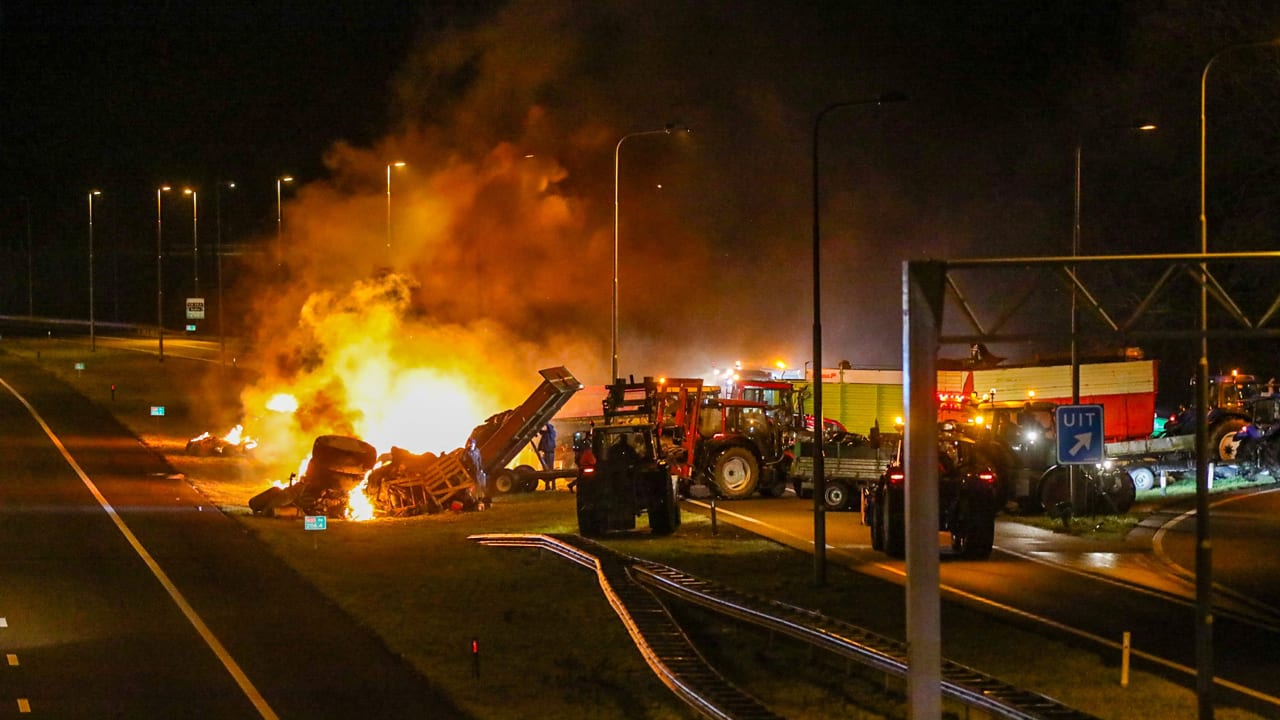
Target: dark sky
{"x": 977, "y": 162}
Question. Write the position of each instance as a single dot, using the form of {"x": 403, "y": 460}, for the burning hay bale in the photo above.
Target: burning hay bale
{"x": 337, "y": 466}
{"x": 234, "y": 442}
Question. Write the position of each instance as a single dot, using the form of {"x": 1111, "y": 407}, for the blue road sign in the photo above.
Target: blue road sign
{"x": 314, "y": 522}
{"x": 1079, "y": 434}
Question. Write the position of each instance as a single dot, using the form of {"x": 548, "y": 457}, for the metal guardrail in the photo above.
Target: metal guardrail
{"x": 959, "y": 683}
{"x": 664, "y": 646}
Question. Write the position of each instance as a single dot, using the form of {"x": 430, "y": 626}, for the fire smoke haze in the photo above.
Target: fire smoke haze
{"x": 502, "y": 218}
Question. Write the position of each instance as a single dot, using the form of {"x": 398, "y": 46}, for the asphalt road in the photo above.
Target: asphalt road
{"x": 121, "y": 595}
{"x": 1058, "y": 595}
{"x": 1244, "y": 531}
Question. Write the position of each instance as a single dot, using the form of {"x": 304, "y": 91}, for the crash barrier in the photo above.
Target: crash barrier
{"x": 660, "y": 640}
{"x": 963, "y": 685}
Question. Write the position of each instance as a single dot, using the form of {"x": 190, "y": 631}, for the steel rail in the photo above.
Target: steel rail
{"x": 961, "y": 684}
{"x": 660, "y": 640}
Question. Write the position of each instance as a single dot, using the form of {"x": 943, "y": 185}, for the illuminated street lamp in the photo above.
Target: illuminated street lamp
{"x": 195, "y": 242}
{"x": 160, "y": 270}
{"x": 398, "y": 164}
{"x": 670, "y": 127}
{"x": 280, "y": 220}
{"x": 217, "y": 250}
{"x": 93, "y": 338}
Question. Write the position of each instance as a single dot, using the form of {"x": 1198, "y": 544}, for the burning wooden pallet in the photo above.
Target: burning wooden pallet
{"x": 410, "y": 484}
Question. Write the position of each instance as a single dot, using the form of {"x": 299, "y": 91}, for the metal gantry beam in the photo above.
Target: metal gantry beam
{"x": 925, "y": 287}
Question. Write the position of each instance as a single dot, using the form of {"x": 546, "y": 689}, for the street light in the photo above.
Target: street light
{"x": 1204, "y": 556}
{"x": 195, "y": 242}
{"x": 31, "y": 303}
{"x": 93, "y": 339}
{"x": 1075, "y": 251}
{"x": 160, "y": 270}
{"x": 280, "y": 220}
{"x": 667, "y": 130}
{"x": 217, "y": 222}
{"x": 819, "y": 482}
{"x": 399, "y": 164}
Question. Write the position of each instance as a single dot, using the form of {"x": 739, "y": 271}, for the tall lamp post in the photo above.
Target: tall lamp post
{"x": 93, "y": 338}
{"x": 280, "y": 220}
{"x": 160, "y": 269}
{"x": 1204, "y": 555}
{"x": 617, "y": 149}
{"x": 396, "y": 164}
{"x": 31, "y": 301}
{"x": 1075, "y": 251}
{"x": 819, "y": 481}
{"x": 195, "y": 241}
{"x": 217, "y": 251}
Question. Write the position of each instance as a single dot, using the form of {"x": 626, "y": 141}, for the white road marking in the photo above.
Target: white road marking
{"x": 1113, "y": 644}
{"x": 3, "y": 622}
{"x": 12, "y": 659}
{"x": 246, "y": 686}
{"x": 24, "y": 705}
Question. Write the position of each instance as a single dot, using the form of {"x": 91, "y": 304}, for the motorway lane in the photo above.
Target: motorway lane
{"x": 1245, "y": 533}
{"x": 96, "y": 634}
{"x": 1086, "y": 608}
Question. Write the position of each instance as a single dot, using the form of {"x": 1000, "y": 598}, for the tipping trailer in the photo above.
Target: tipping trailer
{"x": 504, "y": 435}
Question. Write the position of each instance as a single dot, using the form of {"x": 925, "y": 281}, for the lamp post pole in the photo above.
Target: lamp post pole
{"x": 1204, "y": 555}
{"x": 93, "y": 338}
{"x": 819, "y": 484}
{"x": 398, "y": 164}
{"x": 217, "y": 251}
{"x": 31, "y": 303}
{"x": 617, "y": 150}
{"x": 160, "y": 270}
{"x": 1075, "y": 251}
{"x": 280, "y": 220}
{"x": 195, "y": 242}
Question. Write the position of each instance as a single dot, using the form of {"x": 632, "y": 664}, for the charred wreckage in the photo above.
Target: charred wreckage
{"x": 401, "y": 483}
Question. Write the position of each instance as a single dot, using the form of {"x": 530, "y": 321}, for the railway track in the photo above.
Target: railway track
{"x": 630, "y": 583}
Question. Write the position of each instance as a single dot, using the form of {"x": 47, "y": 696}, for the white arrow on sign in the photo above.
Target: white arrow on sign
{"x": 1083, "y": 441}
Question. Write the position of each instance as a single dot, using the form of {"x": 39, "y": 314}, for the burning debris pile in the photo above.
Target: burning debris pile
{"x": 346, "y": 478}
{"x": 234, "y": 442}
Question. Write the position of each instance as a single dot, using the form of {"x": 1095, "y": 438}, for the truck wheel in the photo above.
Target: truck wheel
{"x": 504, "y": 482}
{"x": 664, "y": 509}
{"x": 590, "y": 521}
{"x": 525, "y": 481}
{"x": 836, "y": 495}
{"x": 871, "y": 514}
{"x": 1118, "y": 487}
{"x": 1223, "y": 437}
{"x": 1055, "y": 487}
{"x": 1143, "y": 478}
{"x": 975, "y": 534}
{"x": 737, "y": 473}
{"x": 895, "y": 530}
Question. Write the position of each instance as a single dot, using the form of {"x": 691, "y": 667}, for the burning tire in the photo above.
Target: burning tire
{"x": 737, "y": 473}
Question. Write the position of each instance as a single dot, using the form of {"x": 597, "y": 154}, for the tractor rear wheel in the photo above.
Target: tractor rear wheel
{"x": 737, "y": 473}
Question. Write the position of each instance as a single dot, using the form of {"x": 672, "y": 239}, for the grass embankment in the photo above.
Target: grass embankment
{"x": 550, "y": 644}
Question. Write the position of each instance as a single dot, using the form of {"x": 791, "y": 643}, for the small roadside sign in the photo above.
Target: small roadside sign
{"x": 1079, "y": 434}
{"x": 195, "y": 308}
{"x": 157, "y": 411}
{"x": 314, "y": 522}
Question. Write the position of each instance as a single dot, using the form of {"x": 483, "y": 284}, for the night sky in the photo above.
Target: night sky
{"x": 508, "y": 115}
